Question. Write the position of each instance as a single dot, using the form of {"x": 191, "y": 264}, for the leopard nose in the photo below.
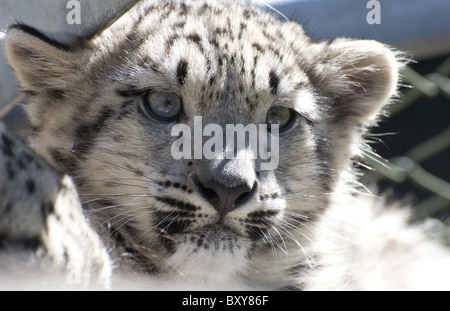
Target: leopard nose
{"x": 226, "y": 199}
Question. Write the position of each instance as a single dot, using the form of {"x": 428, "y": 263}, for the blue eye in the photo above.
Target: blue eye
{"x": 282, "y": 116}
{"x": 164, "y": 107}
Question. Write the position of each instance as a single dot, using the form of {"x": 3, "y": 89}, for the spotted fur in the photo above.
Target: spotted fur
{"x": 229, "y": 63}
{"x": 44, "y": 236}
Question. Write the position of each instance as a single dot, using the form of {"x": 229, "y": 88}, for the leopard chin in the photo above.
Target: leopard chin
{"x": 213, "y": 254}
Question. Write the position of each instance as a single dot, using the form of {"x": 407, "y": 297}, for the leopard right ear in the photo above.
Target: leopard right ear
{"x": 42, "y": 63}
{"x": 359, "y": 76}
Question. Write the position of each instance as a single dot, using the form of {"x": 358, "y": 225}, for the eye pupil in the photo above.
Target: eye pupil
{"x": 164, "y": 107}
{"x": 281, "y": 116}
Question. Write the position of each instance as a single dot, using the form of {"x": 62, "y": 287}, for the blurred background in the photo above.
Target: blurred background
{"x": 413, "y": 145}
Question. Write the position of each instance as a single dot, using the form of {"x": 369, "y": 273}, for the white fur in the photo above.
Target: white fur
{"x": 366, "y": 245}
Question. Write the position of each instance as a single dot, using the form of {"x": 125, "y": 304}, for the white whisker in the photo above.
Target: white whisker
{"x": 113, "y": 196}
{"x": 127, "y": 221}
{"x": 126, "y": 212}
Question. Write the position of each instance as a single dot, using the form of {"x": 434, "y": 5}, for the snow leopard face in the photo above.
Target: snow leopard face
{"x": 104, "y": 110}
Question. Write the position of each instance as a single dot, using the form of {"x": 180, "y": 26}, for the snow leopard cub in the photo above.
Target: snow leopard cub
{"x": 103, "y": 111}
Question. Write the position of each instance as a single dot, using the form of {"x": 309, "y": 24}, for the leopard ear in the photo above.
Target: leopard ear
{"x": 41, "y": 62}
{"x": 359, "y": 76}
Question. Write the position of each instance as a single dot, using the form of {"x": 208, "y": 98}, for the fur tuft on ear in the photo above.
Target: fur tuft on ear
{"x": 41, "y": 62}
{"x": 359, "y": 76}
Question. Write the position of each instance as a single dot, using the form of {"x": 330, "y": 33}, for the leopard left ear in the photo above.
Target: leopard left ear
{"x": 41, "y": 62}
{"x": 359, "y": 76}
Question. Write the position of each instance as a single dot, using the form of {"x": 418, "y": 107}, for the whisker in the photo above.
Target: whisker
{"x": 272, "y": 246}
{"x": 296, "y": 216}
{"x": 115, "y": 183}
{"x": 284, "y": 250}
{"x": 123, "y": 213}
{"x": 109, "y": 207}
{"x": 295, "y": 196}
{"x": 113, "y": 196}
{"x": 148, "y": 178}
{"x": 298, "y": 230}
{"x": 160, "y": 230}
{"x": 310, "y": 259}
{"x": 126, "y": 222}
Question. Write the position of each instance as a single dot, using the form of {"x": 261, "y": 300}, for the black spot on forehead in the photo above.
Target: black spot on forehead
{"x": 203, "y": 9}
{"x": 258, "y": 47}
{"x": 194, "y": 37}
{"x": 274, "y": 81}
{"x": 170, "y": 41}
{"x": 182, "y": 70}
{"x": 184, "y": 9}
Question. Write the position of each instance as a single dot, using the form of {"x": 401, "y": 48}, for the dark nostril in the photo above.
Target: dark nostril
{"x": 225, "y": 199}
{"x": 208, "y": 193}
{"x": 245, "y": 196}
